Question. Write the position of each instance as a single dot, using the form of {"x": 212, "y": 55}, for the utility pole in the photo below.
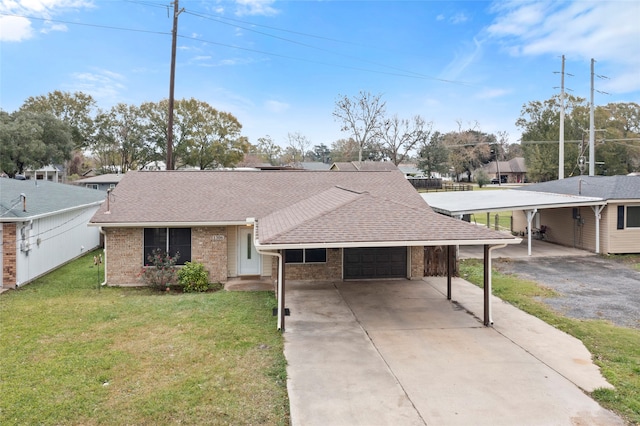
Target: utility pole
{"x": 561, "y": 147}
{"x": 172, "y": 78}
{"x": 592, "y": 128}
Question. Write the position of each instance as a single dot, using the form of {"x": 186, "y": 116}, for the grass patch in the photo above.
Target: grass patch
{"x": 615, "y": 349}
{"x": 71, "y": 353}
{"x": 504, "y": 219}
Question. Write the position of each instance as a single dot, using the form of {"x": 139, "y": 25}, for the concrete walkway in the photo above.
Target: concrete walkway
{"x": 398, "y": 353}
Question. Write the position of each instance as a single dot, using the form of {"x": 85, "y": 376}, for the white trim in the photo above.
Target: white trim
{"x": 389, "y": 244}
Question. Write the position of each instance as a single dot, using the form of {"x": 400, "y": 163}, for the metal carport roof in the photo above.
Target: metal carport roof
{"x": 459, "y": 203}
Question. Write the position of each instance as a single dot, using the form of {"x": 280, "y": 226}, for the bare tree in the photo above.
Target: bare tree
{"x": 362, "y": 117}
{"x": 399, "y": 137}
{"x": 299, "y": 145}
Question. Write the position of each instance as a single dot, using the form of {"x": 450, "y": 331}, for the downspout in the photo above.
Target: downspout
{"x": 490, "y": 279}
{"x": 279, "y": 289}
{"x": 105, "y": 256}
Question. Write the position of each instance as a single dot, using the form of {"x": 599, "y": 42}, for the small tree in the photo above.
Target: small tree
{"x": 481, "y": 178}
{"x": 160, "y": 271}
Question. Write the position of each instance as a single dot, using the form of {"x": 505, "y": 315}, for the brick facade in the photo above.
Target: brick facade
{"x": 209, "y": 247}
{"x": 124, "y": 255}
{"x": 9, "y": 272}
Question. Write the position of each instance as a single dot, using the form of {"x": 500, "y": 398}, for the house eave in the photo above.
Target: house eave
{"x": 496, "y": 241}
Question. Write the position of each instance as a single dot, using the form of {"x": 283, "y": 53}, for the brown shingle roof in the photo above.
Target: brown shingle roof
{"x": 291, "y": 206}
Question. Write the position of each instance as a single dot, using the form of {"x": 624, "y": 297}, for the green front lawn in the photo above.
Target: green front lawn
{"x": 71, "y": 353}
{"x": 615, "y": 349}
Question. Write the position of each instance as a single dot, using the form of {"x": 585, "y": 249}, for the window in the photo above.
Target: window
{"x": 620, "y": 217}
{"x": 633, "y": 216}
{"x": 92, "y": 185}
{"x": 170, "y": 240}
{"x": 305, "y": 256}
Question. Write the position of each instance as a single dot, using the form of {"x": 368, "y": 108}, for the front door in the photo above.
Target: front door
{"x": 248, "y": 257}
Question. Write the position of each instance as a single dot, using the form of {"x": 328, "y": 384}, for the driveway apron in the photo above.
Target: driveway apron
{"x": 398, "y": 353}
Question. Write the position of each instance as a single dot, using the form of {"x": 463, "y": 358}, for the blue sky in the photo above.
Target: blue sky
{"x": 279, "y": 67}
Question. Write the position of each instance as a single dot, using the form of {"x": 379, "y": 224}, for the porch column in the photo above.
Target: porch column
{"x": 530, "y": 215}
{"x": 597, "y": 210}
{"x": 487, "y": 286}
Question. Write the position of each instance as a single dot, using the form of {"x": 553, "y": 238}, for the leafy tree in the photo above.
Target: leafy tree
{"x": 399, "y": 137}
{"x": 320, "y": 153}
{"x": 208, "y": 138}
{"x": 344, "y": 150}
{"x": 540, "y": 122}
{"x": 74, "y": 109}
{"x": 434, "y": 156}
{"x": 468, "y": 150}
{"x": 121, "y": 140}
{"x": 32, "y": 140}
{"x": 269, "y": 150}
{"x": 362, "y": 117}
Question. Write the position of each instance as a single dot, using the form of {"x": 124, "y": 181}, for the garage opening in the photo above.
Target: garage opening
{"x": 375, "y": 262}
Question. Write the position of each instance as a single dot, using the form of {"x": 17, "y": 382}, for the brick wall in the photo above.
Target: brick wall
{"x": 331, "y": 270}
{"x": 124, "y": 255}
{"x": 9, "y": 272}
{"x": 125, "y": 252}
{"x": 209, "y": 247}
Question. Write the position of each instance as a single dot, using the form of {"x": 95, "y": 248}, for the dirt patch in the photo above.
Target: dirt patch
{"x": 590, "y": 287}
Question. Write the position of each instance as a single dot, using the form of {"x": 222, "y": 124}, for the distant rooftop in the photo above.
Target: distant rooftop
{"x": 606, "y": 187}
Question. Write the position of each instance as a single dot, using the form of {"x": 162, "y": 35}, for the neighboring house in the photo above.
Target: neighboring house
{"x": 364, "y": 166}
{"x": 100, "y": 182}
{"x": 50, "y": 173}
{"x": 324, "y": 226}
{"x": 619, "y": 217}
{"x": 512, "y": 171}
{"x": 42, "y": 226}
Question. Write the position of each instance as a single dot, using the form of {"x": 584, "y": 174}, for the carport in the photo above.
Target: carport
{"x": 360, "y": 225}
{"x": 459, "y": 204}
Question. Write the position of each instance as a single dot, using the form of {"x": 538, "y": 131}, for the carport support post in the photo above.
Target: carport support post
{"x": 530, "y": 215}
{"x": 597, "y": 210}
{"x": 487, "y": 287}
{"x": 281, "y": 311}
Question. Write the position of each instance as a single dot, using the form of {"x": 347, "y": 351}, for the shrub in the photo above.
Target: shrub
{"x": 160, "y": 272}
{"x": 193, "y": 277}
{"x": 481, "y": 178}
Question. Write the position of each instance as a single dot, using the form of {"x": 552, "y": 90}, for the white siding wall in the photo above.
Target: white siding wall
{"x": 53, "y": 241}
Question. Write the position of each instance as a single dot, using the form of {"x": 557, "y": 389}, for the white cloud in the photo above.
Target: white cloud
{"x": 255, "y": 7}
{"x": 462, "y": 60}
{"x": 50, "y": 26}
{"x": 14, "y": 28}
{"x": 492, "y": 93}
{"x": 276, "y": 106}
{"x": 18, "y": 28}
{"x": 103, "y": 85}
{"x": 606, "y": 30}
{"x": 459, "y": 18}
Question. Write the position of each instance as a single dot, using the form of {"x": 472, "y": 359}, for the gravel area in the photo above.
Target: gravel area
{"x": 590, "y": 287}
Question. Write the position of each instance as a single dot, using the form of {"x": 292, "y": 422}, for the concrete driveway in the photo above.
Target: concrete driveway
{"x": 398, "y": 353}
